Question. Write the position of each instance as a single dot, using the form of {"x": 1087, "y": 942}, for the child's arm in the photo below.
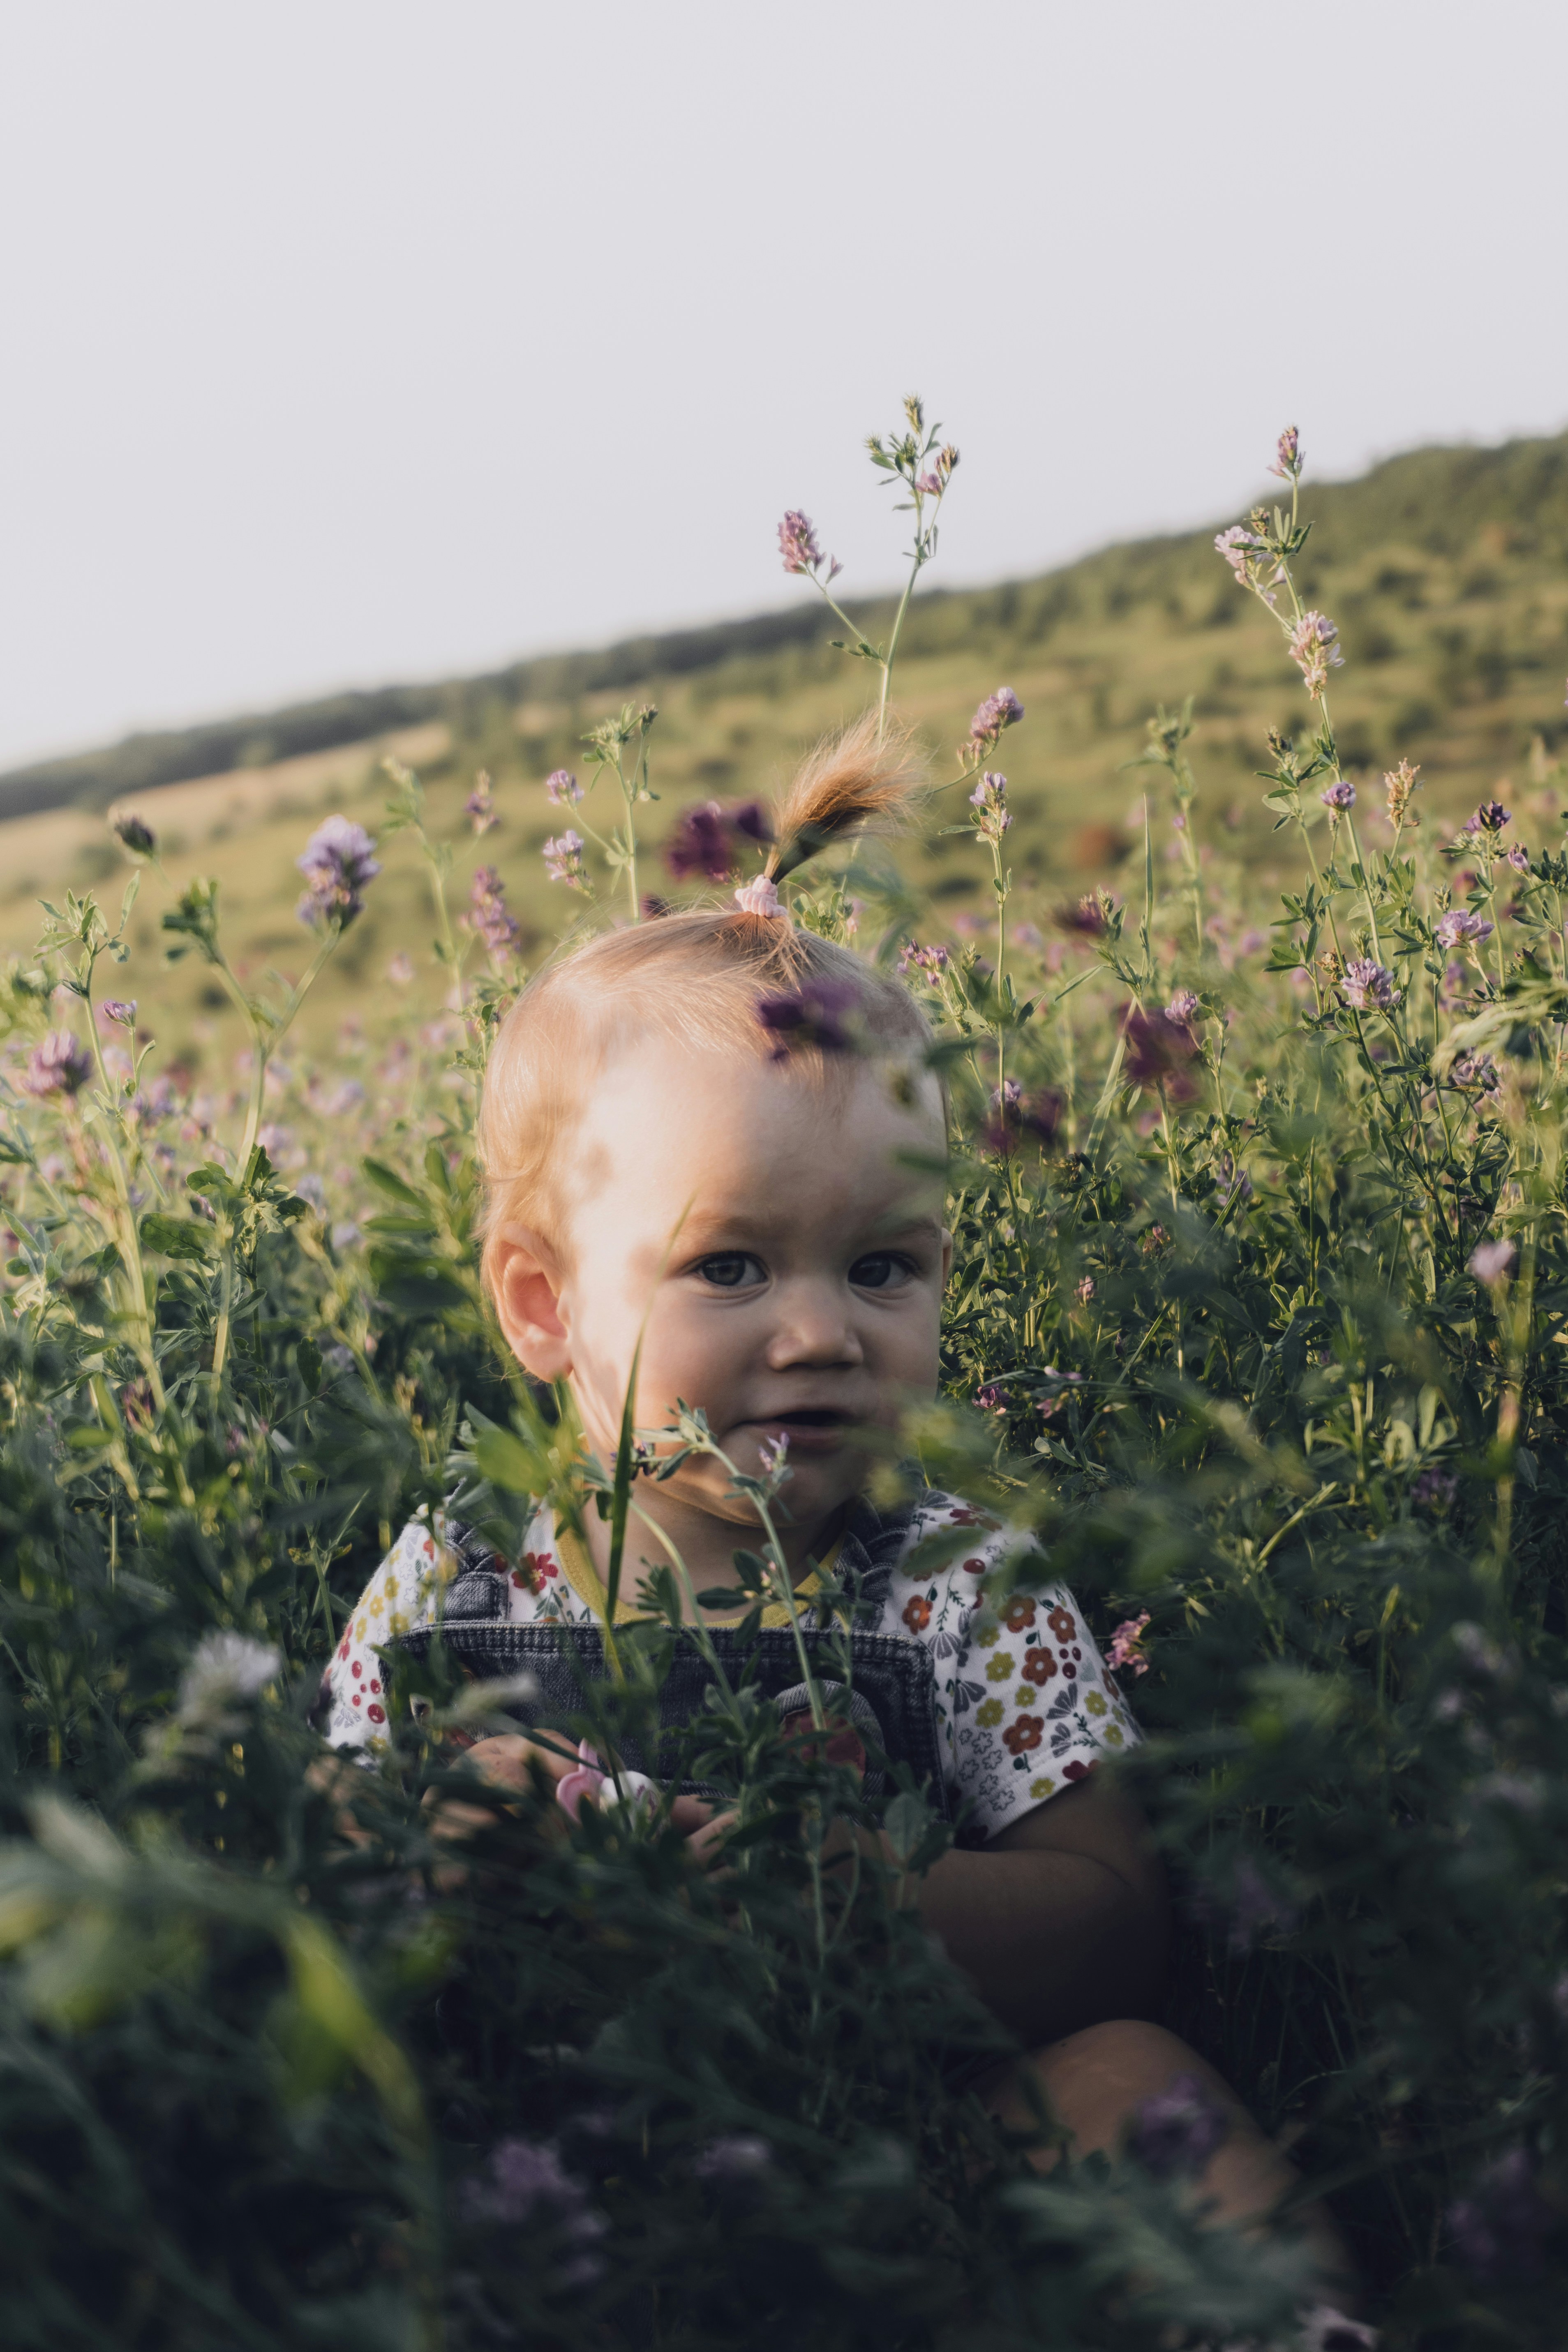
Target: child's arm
{"x": 1062, "y": 1919}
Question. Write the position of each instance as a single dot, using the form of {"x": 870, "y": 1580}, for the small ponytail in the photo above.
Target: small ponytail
{"x": 855, "y": 779}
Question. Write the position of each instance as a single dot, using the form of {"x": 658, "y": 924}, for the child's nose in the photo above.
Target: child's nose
{"x": 815, "y": 1326}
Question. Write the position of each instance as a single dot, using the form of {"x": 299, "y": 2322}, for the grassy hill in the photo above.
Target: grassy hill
{"x": 1446, "y": 569}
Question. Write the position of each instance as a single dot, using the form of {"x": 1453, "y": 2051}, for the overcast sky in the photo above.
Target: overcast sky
{"x": 351, "y": 341}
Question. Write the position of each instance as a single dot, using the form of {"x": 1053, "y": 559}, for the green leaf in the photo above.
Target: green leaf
{"x": 188, "y": 1238}
{"x": 386, "y": 1180}
{"x": 501, "y": 1456}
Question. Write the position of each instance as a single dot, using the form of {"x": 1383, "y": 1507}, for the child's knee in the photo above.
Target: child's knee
{"x": 1120, "y": 2062}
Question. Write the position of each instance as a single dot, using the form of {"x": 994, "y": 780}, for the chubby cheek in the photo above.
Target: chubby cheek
{"x": 905, "y": 1355}
{"x": 693, "y": 1357}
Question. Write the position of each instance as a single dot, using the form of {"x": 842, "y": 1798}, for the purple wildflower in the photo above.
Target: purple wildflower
{"x": 1518, "y": 857}
{"x": 562, "y": 787}
{"x": 812, "y": 1015}
{"x": 1339, "y": 796}
{"x": 1458, "y": 924}
{"x": 1288, "y": 456}
{"x": 1474, "y": 1070}
{"x": 1177, "y": 2130}
{"x": 1492, "y": 1261}
{"x": 798, "y": 546}
{"x": 157, "y": 1102}
{"x": 1000, "y": 709}
{"x": 1083, "y": 1290}
{"x": 707, "y": 839}
{"x": 60, "y": 1065}
{"x": 1126, "y": 1655}
{"x": 751, "y": 820}
{"x": 525, "y": 2180}
{"x": 520, "y": 2175}
{"x": 1499, "y": 2229}
{"x": 564, "y": 859}
{"x": 1369, "y": 986}
{"x": 929, "y": 960}
{"x": 1015, "y": 1119}
{"x": 1183, "y": 1005}
{"x": 487, "y": 917}
{"x": 337, "y": 862}
{"x": 993, "y": 1397}
{"x": 734, "y": 2156}
{"x": 133, "y": 833}
{"x": 1240, "y": 548}
{"x": 1490, "y": 817}
{"x": 700, "y": 844}
{"x": 119, "y": 1012}
{"x": 1231, "y": 1182}
{"x": 480, "y": 806}
{"x": 989, "y": 802}
{"x": 137, "y": 1404}
{"x": 1090, "y": 917}
{"x": 1314, "y": 648}
{"x": 1159, "y": 1053}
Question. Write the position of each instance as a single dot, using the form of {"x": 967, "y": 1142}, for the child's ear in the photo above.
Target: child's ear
{"x": 528, "y": 1281}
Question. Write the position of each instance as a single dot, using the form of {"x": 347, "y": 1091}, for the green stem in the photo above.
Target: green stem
{"x": 128, "y": 1240}
{"x": 889, "y": 657}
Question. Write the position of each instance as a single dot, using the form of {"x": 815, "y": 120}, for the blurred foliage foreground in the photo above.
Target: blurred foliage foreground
{"x": 1257, "y": 1320}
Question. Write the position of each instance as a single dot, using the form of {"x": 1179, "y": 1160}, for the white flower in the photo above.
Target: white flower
{"x": 226, "y": 1670}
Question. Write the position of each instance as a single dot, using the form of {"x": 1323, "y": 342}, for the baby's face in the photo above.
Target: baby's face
{"x": 790, "y": 1268}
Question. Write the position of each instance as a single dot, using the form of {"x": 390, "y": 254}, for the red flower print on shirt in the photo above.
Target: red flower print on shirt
{"x": 1026, "y": 1733}
{"x": 1019, "y": 1613}
{"x": 917, "y": 1613}
{"x": 377, "y": 1714}
{"x": 1038, "y": 1665}
{"x": 356, "y": 1670}
{"x": 1077, "y": 1772}
{"x": 533, "y": 1571}
{"x": 974, "y": 1566}
{"x": 1061, "y": 1623}
{"x": 343, "y": 1647}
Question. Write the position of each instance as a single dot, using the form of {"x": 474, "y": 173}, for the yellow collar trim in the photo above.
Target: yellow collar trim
{"x": 583, "y": 1579}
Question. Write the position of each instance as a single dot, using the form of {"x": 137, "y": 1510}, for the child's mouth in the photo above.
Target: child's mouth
{"x": 810, "y": 1429}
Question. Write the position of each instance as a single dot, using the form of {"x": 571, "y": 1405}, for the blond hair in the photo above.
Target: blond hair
{"x": 695, "y": 978}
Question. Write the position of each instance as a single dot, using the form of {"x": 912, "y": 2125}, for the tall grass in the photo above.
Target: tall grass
{"x": 1255, "y": 1320}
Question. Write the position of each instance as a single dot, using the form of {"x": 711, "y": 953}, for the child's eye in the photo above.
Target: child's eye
{"x": 881, "y": 1270}
{"x": 732, "y": 1270}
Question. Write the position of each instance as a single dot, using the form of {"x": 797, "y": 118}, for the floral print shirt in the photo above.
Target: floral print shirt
{"x": 1024, "y": 1703}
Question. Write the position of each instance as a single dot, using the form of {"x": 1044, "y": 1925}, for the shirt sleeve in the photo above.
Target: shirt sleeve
{"x": 351, "y": 1712}
{"x": 1025, "y": 1705}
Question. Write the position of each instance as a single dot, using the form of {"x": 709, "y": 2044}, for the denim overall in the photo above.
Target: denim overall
{"x": 891, "y": 1699}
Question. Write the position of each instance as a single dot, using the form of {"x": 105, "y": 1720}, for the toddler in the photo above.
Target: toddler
{"x": 718, "y": 1132}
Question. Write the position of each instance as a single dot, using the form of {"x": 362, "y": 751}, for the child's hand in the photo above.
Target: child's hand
{"x": 506, "y": 1760}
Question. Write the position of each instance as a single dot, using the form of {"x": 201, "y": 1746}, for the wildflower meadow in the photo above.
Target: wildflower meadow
{"x": 1257, "y": 1327}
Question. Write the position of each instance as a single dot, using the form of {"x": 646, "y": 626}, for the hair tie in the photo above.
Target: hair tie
{"x": 758, "y": 898}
